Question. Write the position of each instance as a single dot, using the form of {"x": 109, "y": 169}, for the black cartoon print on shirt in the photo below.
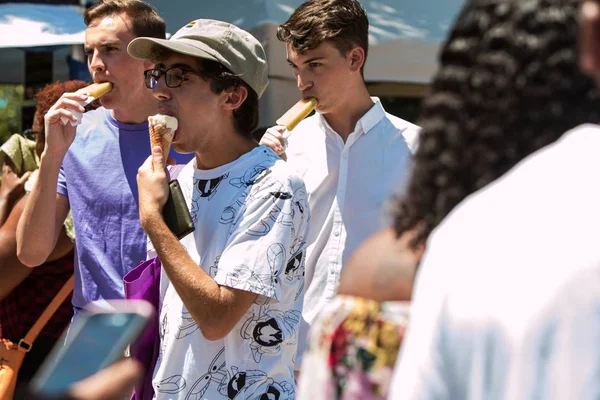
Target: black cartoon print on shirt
{"x": 294, "y": 269}
{"x": 252, "y": 175}
{"x": 269, "y": 330}
{"x": 254, "y": 384}
{"x": 216, "y": 373}
{"x": 276, "y": 215}
{"x": 245, "y": 278}
{"x": 207, "y": 188}
{"x": 163, "y": 329}
{"x": 214, "y": 268}
{"x": 171, "y": 385}
{"x": 186, "y": 326}
{"x": 258, "y": 189}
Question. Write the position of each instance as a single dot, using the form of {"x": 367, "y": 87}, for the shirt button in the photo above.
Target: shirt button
{"x": 336, "y": 233}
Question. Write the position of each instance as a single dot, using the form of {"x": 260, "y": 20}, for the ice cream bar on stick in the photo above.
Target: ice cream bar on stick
{"x": 162, "y": 129}
{"x": 297, "y": 113}
{"x": 94, "y": 91}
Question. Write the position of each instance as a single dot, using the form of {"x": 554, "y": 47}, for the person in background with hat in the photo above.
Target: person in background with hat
{"x": 231, "y": 291}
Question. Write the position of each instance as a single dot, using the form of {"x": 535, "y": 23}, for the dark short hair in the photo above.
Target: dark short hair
{"x": 509, "y": 84}
{"x": 343, "y": 23}
{"x": 246, "y": 117}
{"x": 145, "y": 20}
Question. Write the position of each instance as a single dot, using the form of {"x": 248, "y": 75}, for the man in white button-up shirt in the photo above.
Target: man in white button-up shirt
{"x": 351, "y": 154}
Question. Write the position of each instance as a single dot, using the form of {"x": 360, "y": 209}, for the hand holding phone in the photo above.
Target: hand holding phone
{"x": 96, "y": 340}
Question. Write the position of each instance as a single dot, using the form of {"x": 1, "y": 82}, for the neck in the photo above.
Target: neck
{"x": 137, "y": 114}
{"x": 344, "y": 118}
{"x": 224, "y": 148}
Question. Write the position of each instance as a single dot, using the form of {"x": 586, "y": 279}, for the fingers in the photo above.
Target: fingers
{"x": 114, "y": 382}
{"x": 158, "y": 161}
{"x": 54, "y": 116}
{"x": 24, "y": 178}
{"x": 153, "y": 163}
{"x": 147, "y": 165}
{"x": 69, "y": 104}
{"x": 274, "y": 139}
{"x": 68, "y": 108}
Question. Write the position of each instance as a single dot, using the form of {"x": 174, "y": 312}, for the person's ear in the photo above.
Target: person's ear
{"x": 356, "y": 57}
{"x": 235, "y": 97}
{"x": 589, "y": 39}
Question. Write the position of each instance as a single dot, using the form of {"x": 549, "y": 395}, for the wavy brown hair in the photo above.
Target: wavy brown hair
{"x": 508, "y": 84}
{"x": 343, "y": 23}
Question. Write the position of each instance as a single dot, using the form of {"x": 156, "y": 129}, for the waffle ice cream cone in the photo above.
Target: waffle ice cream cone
{"x": 162, "y": 129}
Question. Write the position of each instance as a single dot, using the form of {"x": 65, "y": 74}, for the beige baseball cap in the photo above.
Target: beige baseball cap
{"x": 214, "y": 40}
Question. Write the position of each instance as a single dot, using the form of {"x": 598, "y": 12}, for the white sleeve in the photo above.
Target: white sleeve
{"x": 270, "y": 233}
{"x": 421, "y": 370}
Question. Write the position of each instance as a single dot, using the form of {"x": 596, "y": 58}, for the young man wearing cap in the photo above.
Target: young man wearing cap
{"x": 350, "y": 153}
{"x": 95, "y": 163}
{"x": 231, "y": 290}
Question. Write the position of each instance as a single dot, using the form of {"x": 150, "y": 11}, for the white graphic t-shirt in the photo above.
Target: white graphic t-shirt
{"x": 251, "y": 218}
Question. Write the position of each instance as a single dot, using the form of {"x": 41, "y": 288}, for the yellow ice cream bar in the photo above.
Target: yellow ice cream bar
{"x": 297, "y": 113}
{"x": 97, "y": 89}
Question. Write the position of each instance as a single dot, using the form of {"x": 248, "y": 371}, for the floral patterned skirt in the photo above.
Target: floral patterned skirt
{"x": 352, "y": 350}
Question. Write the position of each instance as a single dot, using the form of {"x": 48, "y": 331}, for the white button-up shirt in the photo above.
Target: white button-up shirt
{"x": 348, "y": 183}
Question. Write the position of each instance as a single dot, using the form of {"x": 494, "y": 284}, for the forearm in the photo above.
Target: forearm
{"x": 203, "y": 297}
{"x": 37, "y": 232}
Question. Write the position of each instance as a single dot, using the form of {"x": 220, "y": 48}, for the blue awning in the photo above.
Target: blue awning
{"x": 24, "y": 25}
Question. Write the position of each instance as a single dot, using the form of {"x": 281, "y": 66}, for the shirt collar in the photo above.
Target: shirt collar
{"x": 365, "y": 124}
{"x": 372, "y": 117}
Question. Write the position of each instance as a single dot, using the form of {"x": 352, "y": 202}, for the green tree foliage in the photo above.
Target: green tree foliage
{"x": 11, "y": 100}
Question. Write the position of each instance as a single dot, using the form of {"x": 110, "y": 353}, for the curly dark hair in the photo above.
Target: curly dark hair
{"x": 508, "y": 84}
{"x": 45, "y": 99}
{"x": 343, "y": 23}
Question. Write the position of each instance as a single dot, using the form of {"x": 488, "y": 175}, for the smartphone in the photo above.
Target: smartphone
{"x": 96, "y": 340}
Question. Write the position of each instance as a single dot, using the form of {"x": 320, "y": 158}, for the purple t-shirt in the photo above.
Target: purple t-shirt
{"x": 98, "y": 176}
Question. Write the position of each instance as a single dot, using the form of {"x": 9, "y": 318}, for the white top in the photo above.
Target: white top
{"x": 348, "y": 183}
{"x": 507, "y": 300}
{"x": 251, "y": 218}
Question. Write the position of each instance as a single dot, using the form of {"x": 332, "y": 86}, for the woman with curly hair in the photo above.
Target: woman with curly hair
{"x": 25, "y": 292}
{"x": 508, "y": 85}
{"x": 507, "y": 297}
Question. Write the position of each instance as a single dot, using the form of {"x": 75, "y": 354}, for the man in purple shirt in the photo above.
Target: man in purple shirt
{"x": 93, "y": 166}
